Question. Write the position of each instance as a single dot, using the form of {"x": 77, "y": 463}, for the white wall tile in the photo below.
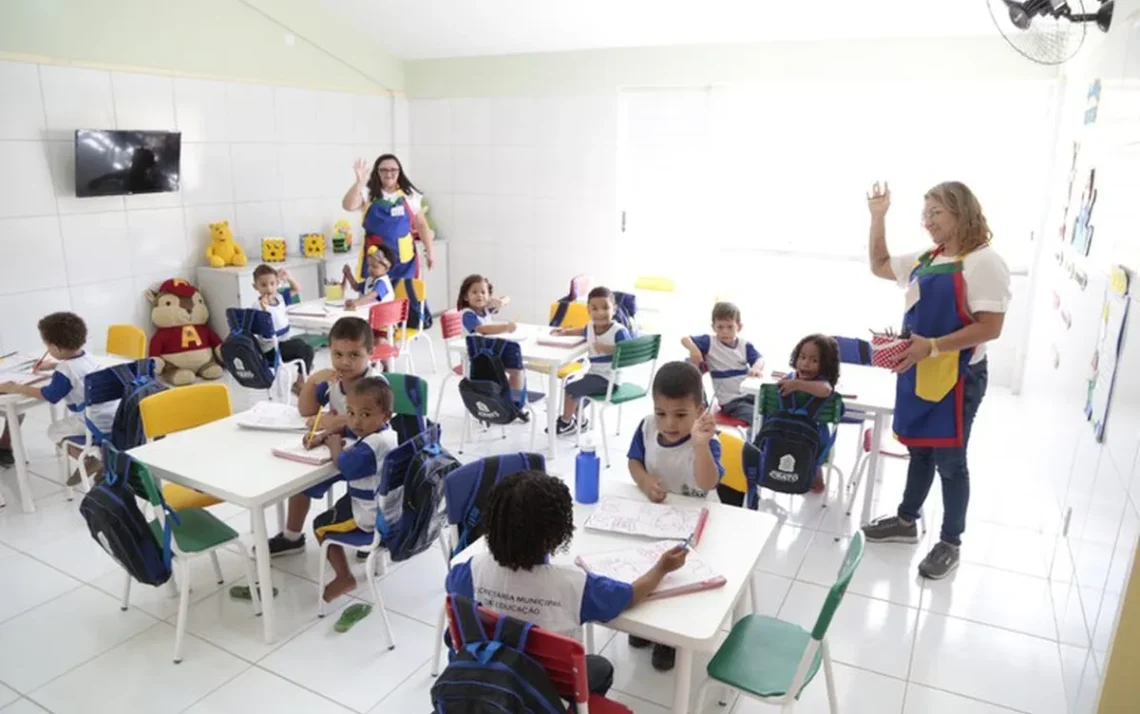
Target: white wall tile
{"x": 471, "y": 121}
{"x": 576, "y": 121}
{"x": 511, "y": 170}
{"x": 401, "y": 131}
{"x": 473, "y": 219}
{"x": 441, "y": 212}
{"x": 157, "y": 240}
{"x": 430, "y": 122}
{"x": 252, "y": 113}
{"x": 104, "y": 304}
{"x": 198, "y": 220}
{"x": 513, "y": 121}
{"x": 256, "y": 171}
{"x": 96, "y": 247}
{"x": 22, "y": 111}
{"x": 61, "y": 159}
{"x": 18, "y": 329}
{"x": 431, "y": 168}
{"x": 473, "y": 170}
{"x": 372, "y": 119}
{"x": 334, "y": 117}
{"x": 25, "y": 181}
{"x": 147, "y": 201}
{"x": 207, "y": 175}
{"x": 33, "y": 255}
{"x": 255, "y": 221}
{"x": 76, "y": 99}
{"x": 309, "y": 215}
{"x": 200, "y": 107}
{"x": 297, "y": 115}
{"x": 143, "y": 101}
{"x": 300, "y": 164}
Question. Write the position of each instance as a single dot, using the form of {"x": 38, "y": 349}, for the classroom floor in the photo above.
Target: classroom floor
{"x": 992, "y": 638}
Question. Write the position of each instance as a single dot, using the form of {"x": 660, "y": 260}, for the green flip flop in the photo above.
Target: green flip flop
{"x": 241, "y": 592}
{"x": 352, "y": 615}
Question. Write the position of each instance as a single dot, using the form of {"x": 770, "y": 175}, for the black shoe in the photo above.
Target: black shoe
{"x": 523, "y": 418}
{"x": 664, "y": 657}
{"x": 7, "y": 458}
{"x": 638, "y": 643}
{"x": 280, "y": 545}
{"x": 566, "y": 427}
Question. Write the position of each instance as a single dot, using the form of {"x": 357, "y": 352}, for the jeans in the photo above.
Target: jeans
{"x": 950, "y": 463}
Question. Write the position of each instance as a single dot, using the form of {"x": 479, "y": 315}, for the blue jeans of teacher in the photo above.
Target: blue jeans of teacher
{"x": 950, "y": 463}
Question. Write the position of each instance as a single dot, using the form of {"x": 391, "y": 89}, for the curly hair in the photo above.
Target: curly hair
{"x": 828, "y": 356}
{"x": 956, "y": 197}
{"x": 65, "y": 330}
{"x": 530, "y": 517}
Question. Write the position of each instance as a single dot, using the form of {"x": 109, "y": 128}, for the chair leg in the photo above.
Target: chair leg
{"x": 829, "y": 678}
{"x": 856, "y": 477}
{"x": 251, "y": 578}
{"x": 463, "y": 431}
{"x": 217, "y": 566}
{"x": 753, "y": 593}
{"x": 438, "y": 642}
{"x": 126, "y": 592}
{"x": 602, "y": 430}
{"x": 183, "y": 610}
{"x": 280, "y": 516}
{"x": 617, "y": 431}
{"x": 378, "y": 603}
{"x": 431, "y": 350}
{"x": 321, "y": 579}
{"x": 703, "y": 691}
{"x": 533, "y": 428}
{"x": 439, "y": 399}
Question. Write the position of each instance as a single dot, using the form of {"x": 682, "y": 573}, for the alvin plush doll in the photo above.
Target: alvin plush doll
{"x": 183, "y": 345}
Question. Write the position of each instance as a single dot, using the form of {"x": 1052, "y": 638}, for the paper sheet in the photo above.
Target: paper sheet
{"x": 642, "y": 518}
{"x": 295, "y": 451}
{"x": 272, "y": 416}
{"x": 629, "y": 565}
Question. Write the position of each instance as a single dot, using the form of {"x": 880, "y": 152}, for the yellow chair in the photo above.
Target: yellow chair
{"x": 732, "y": 459}
{"x": 409, "y": 335}
{"x": 178, "y": 410}
{"x": 126, "y": 341}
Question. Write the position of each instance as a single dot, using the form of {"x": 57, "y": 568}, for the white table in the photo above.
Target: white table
{"x": 318, "y": 316}
{"x": 866, "y": 389}
{"x": 14, "y": 405}
{"x": 550, "y": 358}
{"x": 237, "y": 466}
{"x": 732, "y": 542}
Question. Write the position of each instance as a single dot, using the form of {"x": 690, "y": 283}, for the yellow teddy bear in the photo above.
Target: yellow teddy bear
{"x": 223, "y": 249}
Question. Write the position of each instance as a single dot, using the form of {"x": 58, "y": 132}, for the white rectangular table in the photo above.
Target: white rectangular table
{"x": 732, "y": 542}
{"x": 866, "y": 389}
{"x": 550, "y": 358}
{"x": 317, "y": 316}
{"x": 237, "y": 466}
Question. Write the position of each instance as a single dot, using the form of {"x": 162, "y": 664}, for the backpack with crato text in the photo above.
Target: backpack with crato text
{"x": 414, "y": 472}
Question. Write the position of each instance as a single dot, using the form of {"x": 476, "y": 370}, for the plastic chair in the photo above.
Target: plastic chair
{"x": 126, "y": 341}
{"x": 630, "y": 353}
{"x": 278, "y": 379}
{"x": 178, "y": 410}
{"x": 465, "y": 502}
{"x": 732, "y": 459}
{"x": 861, "y": 466}
{"x": 196, "y": 532}
{"x": 391, "y": 317}
{"x": 772, "y": 660}
{"x": 451, "y": 325}
{"x": 563, "y": 658}
{"x": 411, "y": 334}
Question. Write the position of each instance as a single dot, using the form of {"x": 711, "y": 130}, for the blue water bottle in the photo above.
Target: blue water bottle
{"x": 586, "y": 470}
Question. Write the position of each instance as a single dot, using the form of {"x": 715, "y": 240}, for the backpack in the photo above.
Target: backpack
{"x": 788, "y": 449}
{"x": 418, "y": 467}
{"x": 241, "y": 352}
{"x": 625, "y": 311}
{"x": 137, "y": 382}
{"x": 468, "y": 512}
{"x": 116, "y": 523}
{"x": 485, "y": 391}
{"x": 493, "y": 675}
{"x": 419, "y": 314}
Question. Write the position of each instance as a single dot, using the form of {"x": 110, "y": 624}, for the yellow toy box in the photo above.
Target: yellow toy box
{"x": 313, "y": 245}
{"x": 273, "y": 250}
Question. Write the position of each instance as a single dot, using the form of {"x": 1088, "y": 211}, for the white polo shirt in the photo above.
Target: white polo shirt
{"x": 674, "y": 464}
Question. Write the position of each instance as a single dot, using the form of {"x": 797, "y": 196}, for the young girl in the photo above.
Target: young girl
{"x": 815, "y": 364}
{"x": 477, "y": 307}
{"x": 376, "y": 286}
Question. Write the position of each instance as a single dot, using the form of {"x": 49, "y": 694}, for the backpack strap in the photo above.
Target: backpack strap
{"x": 810, "y": 408}
{"x": 512, "y": 633}
{"x": 563, "y": 307}
{"x": 466, "y": 614}
{"x": 474, "y": 516}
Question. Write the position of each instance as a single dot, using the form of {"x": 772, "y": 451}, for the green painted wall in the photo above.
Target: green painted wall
{"x": 240, "y": 39}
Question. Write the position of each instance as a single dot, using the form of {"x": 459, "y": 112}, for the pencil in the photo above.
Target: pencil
{"x": 36, "y": 366}
{"x": 313, "y": 431}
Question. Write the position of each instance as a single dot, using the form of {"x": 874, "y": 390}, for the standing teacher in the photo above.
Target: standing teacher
{"x": 957, "y": 293}
{"x": 393, "y": 214}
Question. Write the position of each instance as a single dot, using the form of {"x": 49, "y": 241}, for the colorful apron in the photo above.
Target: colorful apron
{"x": 928, "y": 398}
{"x": 390, "y": 223}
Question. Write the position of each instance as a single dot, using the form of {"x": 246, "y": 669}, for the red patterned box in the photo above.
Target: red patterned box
{"x": 887, "y": 350}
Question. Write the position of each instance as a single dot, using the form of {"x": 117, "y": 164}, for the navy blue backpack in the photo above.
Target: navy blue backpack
{"x": 129, "y": 383}
{"x": 241, "y": 352}
{"x": 414, "y": 471}
{"x": 485, "y": 390}
{"x": 786, "y": 449}
{"x": 468, "y": 490}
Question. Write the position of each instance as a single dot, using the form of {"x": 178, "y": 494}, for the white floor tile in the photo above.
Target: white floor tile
{"x": 634, "y": 674}
{"x": 1008, "y": 548}
{"x": 865, "y": 632}
{"x": 27, "y": 583}
{"x": 1074, "y": 661}
{"x": 785, "y": 550}
{"x": 162, "y": 601}
{"x": 76, "y": 554}
{"x": 53, "y": 518}
{"x": 258, "y": 690}
{"x": 982, "y": 662}
{"x": 66, "y": 632}
{"x": 355, "y": 668}
{"x": 888, "y": 571}
{"x": 142, "y": 671}
{"x": 924, "y": 700}
{"x": 7, "y": 696}
{"x": 413, "y": 694}
{"x": 24, "y": 706}
{"x": 41, "y": 489}
{"x": 856, "y": 690}
{"x": 416, "y": 589}
{"x": 771, "y": 590}
{"x": 638, "y": 705}
{"x": 994, "y": 597}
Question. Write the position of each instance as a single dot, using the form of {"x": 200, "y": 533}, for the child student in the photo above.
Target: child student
{"x": 728, "y": 359}
{"x": 369, "y": 404}
{"x": 815, "y": 362}
{"x": 675, "y": 452}
{"x": 602, "y": 335}
{"x": 64, "y": 334}
{"x": 266, "y": 280}
{"x": 376, "y": 286}
{"x": 477, "y": 307}
{"x": 529, "y": 518}
{"x": 350, "y": 345}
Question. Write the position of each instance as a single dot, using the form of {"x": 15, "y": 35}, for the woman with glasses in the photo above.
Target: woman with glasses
{"x": 957, "y": 293}
{"x": 393, "y": 215}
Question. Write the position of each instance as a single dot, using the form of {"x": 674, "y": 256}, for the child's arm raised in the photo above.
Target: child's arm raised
{"x": 695, "y": 355}
{"x": 669, "y": 561}
{"x": 309, "y": 402}
{"x": 706, "y": 470}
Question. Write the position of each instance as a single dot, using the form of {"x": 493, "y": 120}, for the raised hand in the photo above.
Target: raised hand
{"x": 879, "y": 199}
{"x": 360, "y": 168}
{"x": 704, "y": 428}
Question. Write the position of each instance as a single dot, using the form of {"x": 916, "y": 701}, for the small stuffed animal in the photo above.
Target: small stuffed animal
{"x": 313, "y": 245}
{"x": 223, "y": 249}
{"x": 273, "y": 250}
{"x": 342, "y": 236}
{"x": 183, "y": 346}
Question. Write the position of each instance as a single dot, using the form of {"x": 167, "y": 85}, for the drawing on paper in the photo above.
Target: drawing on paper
{"x": 641, "y": 518}
{"x": 628, "y": 565}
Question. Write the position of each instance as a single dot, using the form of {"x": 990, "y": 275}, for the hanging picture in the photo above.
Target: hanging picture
{"x": 1082, "y": 226}
{"x": 1092, "y": 102}
{"x": 1107, "y": 352}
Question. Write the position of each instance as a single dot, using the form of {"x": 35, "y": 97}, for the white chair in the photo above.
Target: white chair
{"x": 375, "y": 566}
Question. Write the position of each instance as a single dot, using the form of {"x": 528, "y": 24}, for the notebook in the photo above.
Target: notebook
{"x": 630, "y": 564}
{"x": 295, "y": 451}
{"x": 566, "y": 341}
{"x": 272, "y": 416}
{"x": 642, "y": 518}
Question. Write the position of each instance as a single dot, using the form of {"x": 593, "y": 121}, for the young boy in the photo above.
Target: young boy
{"x": 376, "y": 286}
{"x": 675, "y": 452}
{"x": 369, "y": 411}
{"x": 64, "y": 334}
{"x": 728, "y": 359}
{"x": 602, "y": 335}
{"x": 529, "y": 518}
{"x": 350, "y": 342}
{"x": 266, "y": 281}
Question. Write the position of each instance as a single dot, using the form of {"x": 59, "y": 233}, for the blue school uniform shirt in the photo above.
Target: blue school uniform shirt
{"x": 472, "y": 320}
{"x": 331, "y": 393}
{"x": 602, "y": 364}
{"x": 67, "y": 385}
{"x": 672, "y": 463}
{"x": 360, "y": 466}
{"x": 728, "y": 364}
{"x": 554, "y": 597}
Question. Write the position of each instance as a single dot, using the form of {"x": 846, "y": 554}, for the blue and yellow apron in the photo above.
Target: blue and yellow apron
{"x": 928, "y": 398}
{"x": 390, "y": 223}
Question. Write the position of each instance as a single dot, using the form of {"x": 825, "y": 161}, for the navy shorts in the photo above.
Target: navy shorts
{"x": 594, "y": 384}
{"x": 319, "y": 490}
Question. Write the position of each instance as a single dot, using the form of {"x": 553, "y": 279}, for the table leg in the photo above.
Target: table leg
{"x": 552, "y": 400}
{"x": 874, "y": 466}
{"x": 21, "y": 457}
{"x": 261, "y": 552}
{"x": 683, "y": 680}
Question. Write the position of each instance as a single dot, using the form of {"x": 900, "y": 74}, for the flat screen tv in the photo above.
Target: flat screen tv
{"x": 114, "y": 163}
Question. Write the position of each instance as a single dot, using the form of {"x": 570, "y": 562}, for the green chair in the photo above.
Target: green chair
{"x": 772, "y": 660}
{"x": 410, "y": 394}
{"x": 198, "y": 532}
{"x": 630, "y": 353}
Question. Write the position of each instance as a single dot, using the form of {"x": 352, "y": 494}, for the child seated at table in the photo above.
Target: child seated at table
{"x": 728, "y": 359}
{"x": 64, "y": 334}
{"x": 815, "y": 371}
{"x": 376, "y": 286}
{"x": 676, "y": 451}
{"x": 267, "y": 280}
{"x": 529, "y": 518}
{"x": 369, "y": 406}
{"x": 477, "y": 307}
{"x": 350, "y": 345}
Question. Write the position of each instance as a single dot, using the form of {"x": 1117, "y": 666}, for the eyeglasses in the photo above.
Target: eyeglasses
{"x": 931, "y": 213}
{"x": 388, "y": 171}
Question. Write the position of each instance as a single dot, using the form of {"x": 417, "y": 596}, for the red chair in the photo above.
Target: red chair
{"x": 451, "y": 324}
{"x": 564, "y": 659}
{"x": 387, "y": 318}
